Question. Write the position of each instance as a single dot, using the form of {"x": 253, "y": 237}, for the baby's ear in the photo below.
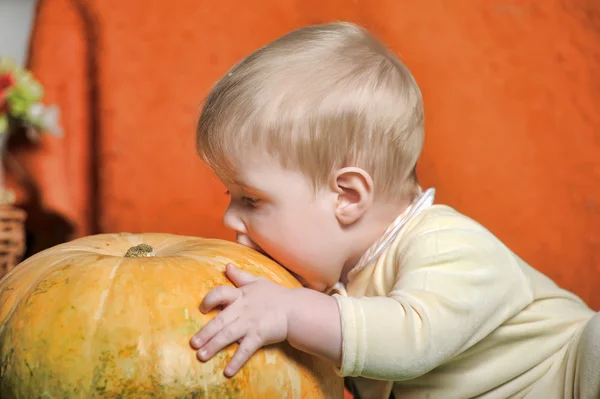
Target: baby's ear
{"x": 354, "y": 188}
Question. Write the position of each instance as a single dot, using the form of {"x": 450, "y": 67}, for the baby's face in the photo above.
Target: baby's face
{"x": 277, "y": 212}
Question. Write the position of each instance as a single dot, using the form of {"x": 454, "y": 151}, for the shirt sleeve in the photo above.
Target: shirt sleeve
{"x": 453, "y": 287}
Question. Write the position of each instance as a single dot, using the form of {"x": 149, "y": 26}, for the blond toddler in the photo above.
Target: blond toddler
{"x": 316, "y": 137}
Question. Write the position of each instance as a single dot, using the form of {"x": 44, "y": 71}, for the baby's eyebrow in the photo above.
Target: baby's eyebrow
{"x": 242, "y": 186}
{"x": 248, "y": 189}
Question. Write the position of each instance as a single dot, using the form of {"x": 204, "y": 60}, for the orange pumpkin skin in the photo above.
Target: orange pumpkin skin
{"x": 80, "y": 320}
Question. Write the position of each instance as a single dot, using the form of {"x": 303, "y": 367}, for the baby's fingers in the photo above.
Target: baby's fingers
{"x": 231, "y": 333}
{"x": 223, "y": 295}
{"x": 210, "y": 329}
{"x": 249, "y": 345}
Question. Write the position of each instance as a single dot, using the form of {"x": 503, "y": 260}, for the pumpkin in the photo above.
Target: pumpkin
{"x": 111, "y": 315}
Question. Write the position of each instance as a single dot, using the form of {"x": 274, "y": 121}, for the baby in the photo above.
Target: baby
{"x": 316, "y": 137}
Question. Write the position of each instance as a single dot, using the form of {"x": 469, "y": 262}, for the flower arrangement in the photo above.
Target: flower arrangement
{"x": 21, "y": 110}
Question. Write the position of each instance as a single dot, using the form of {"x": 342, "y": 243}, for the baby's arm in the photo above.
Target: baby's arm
{"x": 314, "y": 324}
{"x": 453, "y": 287}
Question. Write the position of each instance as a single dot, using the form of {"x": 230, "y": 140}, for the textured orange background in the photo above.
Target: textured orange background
{"x": 511, "y": 90}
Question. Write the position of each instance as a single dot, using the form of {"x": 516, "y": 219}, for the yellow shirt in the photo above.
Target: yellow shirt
{"x": 448, "y": 311}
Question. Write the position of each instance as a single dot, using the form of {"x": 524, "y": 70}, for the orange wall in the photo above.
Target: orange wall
{"x": 511, "y": 90}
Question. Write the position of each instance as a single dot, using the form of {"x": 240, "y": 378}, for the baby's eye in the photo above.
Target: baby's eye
{"x": 249, "y": 201}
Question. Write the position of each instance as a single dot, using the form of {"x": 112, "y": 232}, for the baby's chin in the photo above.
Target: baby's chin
{"x": 301, "y": 279}
{"x": 313, "y": 285}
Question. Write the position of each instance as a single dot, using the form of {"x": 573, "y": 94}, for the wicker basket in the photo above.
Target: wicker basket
{"x": 12, "y": 237}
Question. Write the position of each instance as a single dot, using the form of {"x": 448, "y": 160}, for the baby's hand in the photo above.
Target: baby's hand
{"x": 255, "y": 315}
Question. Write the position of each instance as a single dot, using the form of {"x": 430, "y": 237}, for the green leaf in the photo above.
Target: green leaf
{"x": 3, "y": 124}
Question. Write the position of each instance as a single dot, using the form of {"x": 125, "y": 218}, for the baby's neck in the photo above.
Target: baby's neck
{"x": 368, "y": 230}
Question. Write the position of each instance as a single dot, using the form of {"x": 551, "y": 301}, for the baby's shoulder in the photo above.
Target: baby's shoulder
{"x": 442, "y": 218}
{"x": 443, "y": 228}
{"x": 446, "y": 235}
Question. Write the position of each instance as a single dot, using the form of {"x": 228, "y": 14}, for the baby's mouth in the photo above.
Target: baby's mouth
{"x": 246, "y": 241}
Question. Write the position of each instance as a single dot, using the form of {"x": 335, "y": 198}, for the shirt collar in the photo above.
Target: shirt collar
{"x": 422, "y": 201}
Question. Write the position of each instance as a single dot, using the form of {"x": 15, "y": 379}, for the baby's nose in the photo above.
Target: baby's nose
{"x": 232, "y": 220}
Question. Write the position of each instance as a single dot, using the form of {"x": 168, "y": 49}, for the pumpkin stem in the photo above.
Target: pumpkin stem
{"x": 139, "y": 251}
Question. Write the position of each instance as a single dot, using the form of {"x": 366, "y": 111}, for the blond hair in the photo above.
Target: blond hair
{"x": 319, "y": 98}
